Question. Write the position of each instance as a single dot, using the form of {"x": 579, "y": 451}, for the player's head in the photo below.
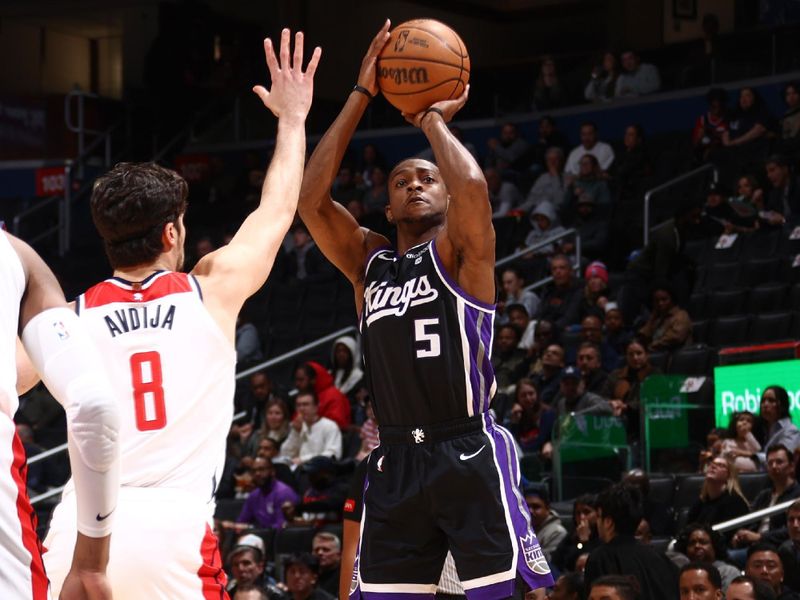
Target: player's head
{"x": 700, "y": 581}
{"x": 138, "y": 210}
{"x": 417, "y": 195}
{"x": 619, "y": 510}
{"x": 614, "y": 587}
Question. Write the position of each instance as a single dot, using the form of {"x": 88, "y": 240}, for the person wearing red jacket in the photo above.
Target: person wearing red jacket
{"x": 333, "y": 404}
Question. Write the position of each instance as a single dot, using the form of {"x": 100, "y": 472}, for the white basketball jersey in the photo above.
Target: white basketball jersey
{"x": 173, "y": 371}
{"x": 12, "y": 286}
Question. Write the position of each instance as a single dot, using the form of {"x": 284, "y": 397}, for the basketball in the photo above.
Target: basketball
{"x": 423, "y": 62}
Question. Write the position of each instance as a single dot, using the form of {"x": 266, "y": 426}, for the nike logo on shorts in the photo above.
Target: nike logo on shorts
{"x": 99, "y": 518}
{"x": 473, "y": 455}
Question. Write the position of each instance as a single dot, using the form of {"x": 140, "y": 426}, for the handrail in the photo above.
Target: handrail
{"x": 542, "y": 244}
{"x": 665, "y": 186}
{"x": 753, "y": 516}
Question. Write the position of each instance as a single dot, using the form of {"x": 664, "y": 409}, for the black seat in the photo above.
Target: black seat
{"x": 714, "y": 255}
{"x": 728, "y": 331}
{"x": 721, "y": 276}
{"x": 794, "y": 297}
{"x": 687, "y": 492}
{"x": 228, "y": 509}
{"x": 692, "y": 360}
{"x": 766, "y": 298}
{"x": 700, "y": 331}
{"x": 725, "y": 303}
{"x": 697, "y": 305}
{"x": 752, "y": 484}
{"x": 659, "y": 359}
{"x": 761, "y": 270}
{"x": 760, "y": 245}
{"x": 662, "y": 489}
{"x": 770, "y": 327}
{"x": 696, "y": 250}
{"x": 294, "y": 540}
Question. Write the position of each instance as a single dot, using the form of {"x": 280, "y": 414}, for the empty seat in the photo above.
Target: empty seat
{"x": 758, "y": 271}
{"x": 771, "y": 327}
{"x": 687, "y": 491}
{"x": 714, "y": 255}
{"x": 228, "y": 509}
{"x": 659, "y": 359}
{"x": 662, "y": 489}
{"x": 294, "y": 540}
{"x": 692, "y": 360}
{"x": 696, "y": 250}
{"x": 766, "y": 298}
{"x": 760, "y": 244}
{"x": 700, "y": 331}
{"x": 696, "y": 306}
{"x": 752, "y": 483}
{"x": 794, "y": 297}
{"x": 725, "y": 303}
{"x": 728, "y": 331}
{"x": 531, "y": 467}
{"x": 721, "y": 276}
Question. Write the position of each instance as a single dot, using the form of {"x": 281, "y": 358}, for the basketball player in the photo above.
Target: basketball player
{"x": 32, "y": 303}
{"x": 445, "y": 475}
{"x": 168, "y": 342}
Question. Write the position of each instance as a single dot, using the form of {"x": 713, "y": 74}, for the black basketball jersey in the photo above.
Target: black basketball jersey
{"x": 426, "y": 343}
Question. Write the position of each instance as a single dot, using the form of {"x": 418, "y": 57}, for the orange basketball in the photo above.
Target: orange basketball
{"x": 423, "y": 62}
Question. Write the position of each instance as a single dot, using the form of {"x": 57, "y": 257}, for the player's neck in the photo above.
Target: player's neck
{"x": 142, "y": 272}
{"x": 410, "y": 236}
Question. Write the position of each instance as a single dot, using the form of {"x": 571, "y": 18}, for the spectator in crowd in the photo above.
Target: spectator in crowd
{"x": 276, "y": 422}
{"x": 595, "y": 291}
{"x": 503, "y": 195}
{"x": 571, "y": 399}
{"x": 561, "y": 299}
{"x": 593, "y": 376}
{"x": 548, "y": 379}
{"x": 721, "y": 497}
{"x": 369, "y": 434}
{"x": 515, "y": 292}
{"x": 301, "y": 574}
{"x": 248, "y": 344}
{"x": 545, "y": 226}
{"x": 699, "y": 581}
{"x": 543, "y": 336}
{"x": 551, "y": 185}
{"x": 764, "y": 564}
{"x": 619, "y": 510}
{"x": 583, "y": 537}
{"x": 510, "y": 152}
{"x": 311, "y": 434}
{"x": 699, "y": 543}
{"x": 250, "y": 592}
{"x": 603, "y": 82}
{"x": 749, "y": 588}
{"x": 615, "y": 587}
{"x": 749, "y": 123}
{"x": 669, "y": 326}
{"x": 547, "y": 92}
{"x": 458, "y": 133}
{"x": 305, "y": 261}
{"x": 711, "y": 128}
{"x": 783, "y": 487}
{"x": 720, "y": 217}
{"x": 345, "y": 188}
{"x": 254, "y": 400}
{"x": 518, "y": 315}
{"x": 327, "y": 547}
{"x": 637, "y": 78}
{"x": 371, "y": 158}
{"x": 749, "y": 197}
{"x": 545, "y": 521}
{"x": 589, "y": 145}
{"x": 568, "y": 587}
{"x": 789, "y": 550}
{"x": 347, "y": 375}
{"x": 656, "y": 512}
{"x": 262, "y": 509}
{"x": 530, "y": 421}
{"x": 783, "y": 199}
{"x": 247, "y": 562}
{"x": 323, "y": 500}
{"x": 377, "y": 196}
{"x": 790, "y": 121}
{"x": 508, "y": 360}
{"x": 631, "y": 177}
{"x": 590, "y": 181}
{"x": 549, "y": 137}
{"x": 333, "y": 404}
{"x": 616, "y": 335}
{"x": 592, "y": 333}
{"x": 592, "y": 227}
{"x": 624, "y": 385}
{"x": 778, "y": 427}
{"x": 740, "y": 445}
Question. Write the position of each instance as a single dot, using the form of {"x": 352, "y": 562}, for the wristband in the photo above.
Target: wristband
{"x": 438, "y": 111}
{"x": 363, "y": 90}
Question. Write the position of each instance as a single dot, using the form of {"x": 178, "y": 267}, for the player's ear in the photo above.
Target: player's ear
{"x": 169, "y": 236}
{"x": 387, "y": 210}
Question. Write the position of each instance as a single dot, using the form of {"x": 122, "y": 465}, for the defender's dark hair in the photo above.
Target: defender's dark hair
{"x": 622, "y": 503}
{"x": 130, "y": 206}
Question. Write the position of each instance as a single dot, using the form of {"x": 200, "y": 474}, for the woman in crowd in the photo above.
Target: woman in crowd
{"x": 530, "y": 421}
{"x": 595, "y": 292}
{"x": 748, "y": 127}
{"x": 669, "y": 326}
{"x": 276, "y": 422}
{"x": 547, "y": 92}
{"x": 699, "y": 543}
{"x": 740, "y": 444}
{"x": 589, "y": 181}
{"x": 623, "y": 386}
{"x": 721, "y": 498}
{"x": 778, "y": 426}
{"x": 790, "y": 121}
{"x": 603, "y": 82}
{"x": 583, "y": 537}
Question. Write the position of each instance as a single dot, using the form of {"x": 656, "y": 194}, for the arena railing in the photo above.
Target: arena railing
{"x": 569, "y": 233}
{"x": 648, "y": 196}
{"x": 752, "y": 517}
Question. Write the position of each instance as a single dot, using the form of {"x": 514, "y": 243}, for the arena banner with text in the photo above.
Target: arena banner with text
{"x": 667, "y": 421}
{"x": 587, "y": 437}
{"x": 739, "y": 387}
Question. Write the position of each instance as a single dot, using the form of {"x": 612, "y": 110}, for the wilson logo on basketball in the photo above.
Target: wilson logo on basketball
{"x": 382, "y": 300}
{"x": 413, "y": 75}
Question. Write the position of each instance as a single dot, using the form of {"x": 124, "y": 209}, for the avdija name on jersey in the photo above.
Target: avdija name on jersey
{"x": 382, "y": 300}
{"x": 131, "y": 319}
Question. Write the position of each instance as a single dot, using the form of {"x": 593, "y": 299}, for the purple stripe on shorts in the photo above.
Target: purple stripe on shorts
{"x": 493, "y": 591}
{"x": 397, "y": 596}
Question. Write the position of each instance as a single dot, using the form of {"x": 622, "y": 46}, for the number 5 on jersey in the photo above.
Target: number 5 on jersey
{"x": 423, "y": 334}
{"x": 148, "y": 393}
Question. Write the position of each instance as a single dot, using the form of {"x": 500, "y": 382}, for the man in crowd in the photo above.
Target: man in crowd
{"x": 248, "y": 566}
{"x": 572, "y": 400}
{"x": 614, "y": 587}
{"x": 699, "y": 581}
{"x": 589, "y": 145}
{"x": 262, "y": 508}
{"x": 510, "y": 152}
{"x": 327, "y": 548}
{"x": 592, "y": 374}
{"x": 509, "y": 361}
{"x": 310, "y": 434}
{"x": 301, "y": 573}
{"x": 548, "y": 379}
{"x": 333, "y": 404}
{"x": 637, "y": 78}
{"x": 561, "y": 299}
{"x": 548, "y": 526}
{"x": 764, "y": 563}
{"x": 783, "y": 199}
{"x": 745, "y": 587}
{"x": 789, "y": 550}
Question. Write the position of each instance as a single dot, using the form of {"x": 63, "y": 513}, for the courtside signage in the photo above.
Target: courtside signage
{"x": 739, "y": 387}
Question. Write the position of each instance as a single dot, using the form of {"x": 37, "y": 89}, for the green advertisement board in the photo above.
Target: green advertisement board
{"x": 739, "y": 387}
{"x": 667, "y": 423}
{"x": 587, "y": 437}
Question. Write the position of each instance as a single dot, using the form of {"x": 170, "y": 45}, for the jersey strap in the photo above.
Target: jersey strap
{"x": 158, "y": 285}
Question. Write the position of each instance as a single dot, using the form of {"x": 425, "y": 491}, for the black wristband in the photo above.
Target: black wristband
{"x": 363, "y": 90}
{"x": 432, "y": 109}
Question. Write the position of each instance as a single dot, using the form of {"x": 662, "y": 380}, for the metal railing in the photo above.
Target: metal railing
{"x": 753, "y": 516}
{"x": 543, "y": 244}
{"x": 667, "y": 185}
{"x": 241, "y": 375}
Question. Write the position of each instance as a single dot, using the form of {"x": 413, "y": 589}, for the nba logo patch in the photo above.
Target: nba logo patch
{"x": 61, "y": 330}
{"x": 534, "y": 557}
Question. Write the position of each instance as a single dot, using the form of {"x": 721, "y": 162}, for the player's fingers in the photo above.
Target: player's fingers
{"x": 272, "y": 61}
{"x": 285, "y": 37}
{"x": 297, "y": 62}
{"x": 380, "y": 40}
{"x": 312, "y": 64}
{"x": 262, "y": 93}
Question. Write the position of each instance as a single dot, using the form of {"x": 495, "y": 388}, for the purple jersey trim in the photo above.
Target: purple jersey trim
{"x": 493, "y": 591}
{"x": 452, "y": 284}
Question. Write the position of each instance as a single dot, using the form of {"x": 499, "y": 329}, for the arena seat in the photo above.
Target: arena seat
{"x": 760, "y": 245}
{"x": 766, "y": 298}
{"x": 691, "y": 360}
{"x": 760, "y": 270}
{"x": 752, "y": 484}
{"x": 726, "y": 303}
{"x": 728, "y": 331}
{"x": 771, "y": 327}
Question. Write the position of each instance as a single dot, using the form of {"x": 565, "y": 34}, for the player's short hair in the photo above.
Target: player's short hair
{"x": 130, "y": 206}
{"x": 622, "y": 503}
{"x": 627, "y": 586}
{"x": 714, "y": 578}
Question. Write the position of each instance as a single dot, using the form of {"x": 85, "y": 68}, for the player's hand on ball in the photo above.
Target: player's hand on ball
{"x": 292, "y": 89}
{"x": 368, "y": 75}
{"x": 449, "y": 109}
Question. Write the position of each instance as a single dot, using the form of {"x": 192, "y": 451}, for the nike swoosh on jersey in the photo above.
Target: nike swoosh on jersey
{"x": 473, "y": 455}
{"x": 99, "y": 518}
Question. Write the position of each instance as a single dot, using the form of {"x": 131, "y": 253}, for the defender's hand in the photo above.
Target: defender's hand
{"x": 85, "y": 585}
{"x": 449, "y": 109}
{"x": 367, "y": 75}
{"x": 292, "y": 89}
